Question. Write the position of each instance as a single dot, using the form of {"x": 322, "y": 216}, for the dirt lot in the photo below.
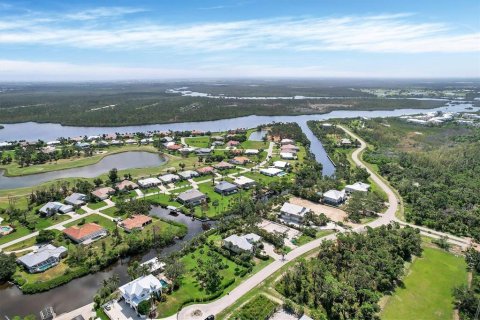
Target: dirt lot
{"x": 334, "y": 214}
{"x": 271, "y": 227}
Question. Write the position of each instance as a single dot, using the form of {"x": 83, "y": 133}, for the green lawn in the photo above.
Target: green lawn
{"x": 104, "y": 222}
{"x": 163, "y": 200}
{"x": 249, "y": 144}
{"x": 223, "y": 201}
{"x": 22, "y": 244}
{"x": 189, "y": 288}
{"x": 112, "y": 212}
{"x": 96, "y": 205}
{"x": 428, "y": 288}
{"x": 200, "y": 142}
{"x": 303, "y": 239}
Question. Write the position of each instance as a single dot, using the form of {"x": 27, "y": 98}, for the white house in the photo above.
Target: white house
{"x": 251, "y": 152}
{"x": 287, "y": 141}
{"x": 188, "y": 174}
{"x": 169, "y": 178}
{"x": 334, "y": 197}
{"x": 140, "y": 289}
{"x": 271, "y": 172}
{"x": 149, "y": 182}
{"x": 357, "y": 187}
{"x": 244, "y": 182}
{"x": 287, "y": 155}
{"x": 280, "y": 164}
{"x": 245, "y": 243}
{"x": 293, "y": 213}
{"x": 52, "y": 208}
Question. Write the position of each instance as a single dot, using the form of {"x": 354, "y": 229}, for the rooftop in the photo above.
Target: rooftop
{"x": 80, "y": 232}
{"x": 136, "y": 221}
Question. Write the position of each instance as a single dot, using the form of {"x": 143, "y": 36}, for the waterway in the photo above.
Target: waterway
{"x": 80, "y": 291}
{"x": 121, "y": 161}
{"x": 32, "y": 131}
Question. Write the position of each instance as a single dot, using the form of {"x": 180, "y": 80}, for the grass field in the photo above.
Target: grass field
{"x": 104, "y": 222}
{"x": 428, "y": 288}
{"x": 200, "y": 142}
{"x": 96, "y": 205}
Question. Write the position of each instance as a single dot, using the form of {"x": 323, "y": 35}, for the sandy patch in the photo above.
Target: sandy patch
{"x": 334, "y": 214}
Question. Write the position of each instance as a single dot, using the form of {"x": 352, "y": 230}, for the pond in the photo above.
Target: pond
{"x": 121, "y": 161}
{"x": 257, "y": 135}
{"x": 80, "y": 292}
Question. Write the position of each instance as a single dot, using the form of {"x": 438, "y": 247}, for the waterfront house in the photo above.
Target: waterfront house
{"x": 86, "y": 233}
{"x": 51, "y": 208}
{"x": 357, "y": 187}
{"x": 293, "y": 213}
{"x": 191, "y": 197}
{"x": 244, "y": 182}
{"x": 136, "y": 222}
{"x": 103, "y": 193}
{"x": 240, "y": 244}
{"x": 287, "y": 141}
{"x": 140, "y": 289}
{"x": 225, "y": 188}
{"x": 287, "y": 156}
{"x": 76, "y": 199}
{"x": 154, "y": 265}
{"x": 43, "y": 258}
{"x": 334, "y": 197}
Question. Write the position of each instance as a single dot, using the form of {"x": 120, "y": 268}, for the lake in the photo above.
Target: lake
{"x": 121, "y": 161}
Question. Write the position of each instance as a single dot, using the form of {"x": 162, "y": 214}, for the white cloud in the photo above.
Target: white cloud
{"x": 375, "y": 33}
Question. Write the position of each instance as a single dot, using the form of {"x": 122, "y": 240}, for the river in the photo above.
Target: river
{"x": 124, "y": 160}
{"x": 80, "y": 291}
{"x": 32, "y": 131}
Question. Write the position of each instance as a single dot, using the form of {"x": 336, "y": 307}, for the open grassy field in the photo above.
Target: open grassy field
{"x": 199, "y": 142}
{"x": 104, "y": 222}
{"x": 96, "y": 205}
{"x": 427, "y": 293}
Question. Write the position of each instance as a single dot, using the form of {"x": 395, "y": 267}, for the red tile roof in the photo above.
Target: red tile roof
{"x": 136, "y": 221}
{"x": 80, "y": 232}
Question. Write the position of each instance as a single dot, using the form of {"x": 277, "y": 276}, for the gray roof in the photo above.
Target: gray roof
{"x": 42, "y": 254}
{"x": 240, "y": 242}
{"x": 190, "y": 195}
{"x": 225, "y": 186}
{"x": 76, "y": 198}
{"x": 293, "y": 209}
{"x": 55, "y": 207}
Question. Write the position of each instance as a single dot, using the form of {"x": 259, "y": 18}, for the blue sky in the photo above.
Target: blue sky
{"x": 117, "y": 40}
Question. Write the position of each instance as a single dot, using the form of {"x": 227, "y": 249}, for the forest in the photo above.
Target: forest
{"x": 349, "y": 276}
{"x": 435, "y": 169}
{"x": 116, "y": 104}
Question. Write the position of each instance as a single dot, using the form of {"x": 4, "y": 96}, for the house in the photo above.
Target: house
{"x": 289, "y": 147}
{"x": 203, "y": 151}
{"x": 186, "y": 150}
{"x": 53, "y": 143}
{"x": 271, "y": 172}
{"x": 293, "y": 213}
{"x": 217, "y": 143}
{"x": 82, "y": 145}
{"x": 85, "y": 233}
{"x": 240, "y": 244}
{"x": 126, "y": 185}
{"x": 224, "y": 166}
{"x": 357, "y": 187}
{"x": 48, "y": 149}
{"x": 174, "y": 147}
{"x": 252, "y": 152}
{"x": 51, "y": 208}
{"x": 197, "y": 133}
{"x": 149, "y": 182}
{"x": 287, "y": 141}
{"x": 188, "y": 174}
{"x": 76, "y": 199}
{"x": 225, "y": 188}
{"x": 205, "y": 170}
{"x": 191, "y": 197}
{"x": 281, "y": 164}
{"x": 244, "y": 182}
{"x": 345, "y": 142}
{"x": 130, "y": 141}
{"x": 140, "y": 289}
{"x": 305, "y": 317}
{"x": 240, "y": 160}
{"x": 103, "y": 193}
{"x": 334, "y": 197}
{"x": 136, "y": 222}
{"x": 287, "y": 156}
{"x": 233, "y": 143}
{"x": 43, "y": 258}
{"x": 217, "y": 138}
{"x": 169, "y": 178}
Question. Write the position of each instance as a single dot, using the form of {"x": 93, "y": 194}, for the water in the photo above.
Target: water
{"x": 124, "y": 160}
{"x": 257, "y": 135}
{"x": 80, "y": 292}
{"x": 50, "y": 131}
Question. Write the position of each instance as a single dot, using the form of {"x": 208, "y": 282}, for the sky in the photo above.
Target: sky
{"x": 205, "y": 39}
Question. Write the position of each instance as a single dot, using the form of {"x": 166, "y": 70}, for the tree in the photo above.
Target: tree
{"x": 8, "y": 266}
{"x": 98, "y": 182}
{"x": 113, "y": 175}
{"x": 174, "y": 270}
{"x": 144, "y": 307}
{"x": 45, "y": 236}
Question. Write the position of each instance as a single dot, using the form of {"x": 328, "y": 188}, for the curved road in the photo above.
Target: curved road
{"x": 201, "y": 311}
